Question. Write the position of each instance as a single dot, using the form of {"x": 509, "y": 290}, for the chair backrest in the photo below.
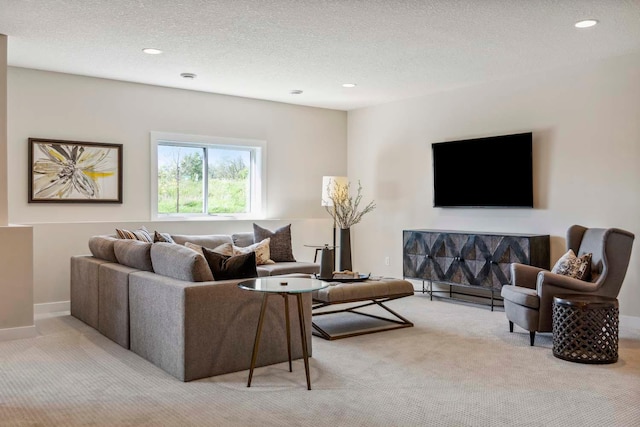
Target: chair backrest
{"x": 611, "y": 252}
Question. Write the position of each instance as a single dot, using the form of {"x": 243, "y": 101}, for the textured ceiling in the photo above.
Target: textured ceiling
{"x": 392, "y": 49}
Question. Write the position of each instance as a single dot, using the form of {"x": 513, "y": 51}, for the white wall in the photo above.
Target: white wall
{"x": 586, "y": 125}
{"x": 303, "y": 144}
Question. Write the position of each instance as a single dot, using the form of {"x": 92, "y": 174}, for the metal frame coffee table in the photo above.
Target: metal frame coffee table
{"x": 283, "y": 286}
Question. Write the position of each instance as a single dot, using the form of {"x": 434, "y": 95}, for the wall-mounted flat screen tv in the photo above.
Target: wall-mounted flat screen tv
{"x": 485, "y": 172}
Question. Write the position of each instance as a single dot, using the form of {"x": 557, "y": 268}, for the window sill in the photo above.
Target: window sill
{"x": 170, "y": 218}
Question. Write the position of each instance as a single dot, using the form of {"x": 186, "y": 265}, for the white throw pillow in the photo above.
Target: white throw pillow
{"x": 263, "y": 254}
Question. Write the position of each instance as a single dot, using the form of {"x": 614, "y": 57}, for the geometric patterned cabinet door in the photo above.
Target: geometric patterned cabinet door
{"x": 470, "y": 259}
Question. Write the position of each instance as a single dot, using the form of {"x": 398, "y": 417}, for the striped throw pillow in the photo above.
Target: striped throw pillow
{"x": 141, "y": 234}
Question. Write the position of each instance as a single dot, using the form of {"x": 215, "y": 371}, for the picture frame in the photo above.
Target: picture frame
{"x": 63, "y": 171}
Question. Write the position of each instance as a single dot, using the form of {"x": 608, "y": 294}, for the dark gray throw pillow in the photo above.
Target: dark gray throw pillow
{"x": 280, "y": 245}
{"x": 231, "y": 267}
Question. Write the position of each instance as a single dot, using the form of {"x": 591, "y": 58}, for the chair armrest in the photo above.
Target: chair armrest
{"x": 524, "y": 275}
{"x": 551, "y": 284}
{"x": 548, "y": 278}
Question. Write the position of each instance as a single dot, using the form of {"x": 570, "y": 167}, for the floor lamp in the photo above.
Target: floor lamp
{"x": 329, "y": 184}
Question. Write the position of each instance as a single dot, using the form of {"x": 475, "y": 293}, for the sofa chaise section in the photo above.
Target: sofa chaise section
{"x": 197, "y": 330}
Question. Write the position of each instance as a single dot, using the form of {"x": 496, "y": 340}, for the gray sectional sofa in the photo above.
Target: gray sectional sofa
{"x": 160, "y": 301}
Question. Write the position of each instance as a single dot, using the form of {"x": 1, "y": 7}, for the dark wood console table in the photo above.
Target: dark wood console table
{"x": 469, "y": 259}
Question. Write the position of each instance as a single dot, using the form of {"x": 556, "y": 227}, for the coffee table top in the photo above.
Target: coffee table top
{"x": 275, "y": 284}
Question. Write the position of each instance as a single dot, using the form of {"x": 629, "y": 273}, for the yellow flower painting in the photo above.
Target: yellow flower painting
{"x": 75, "y": 171}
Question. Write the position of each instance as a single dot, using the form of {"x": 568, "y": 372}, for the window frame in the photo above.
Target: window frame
{"x": 258, "y": 173}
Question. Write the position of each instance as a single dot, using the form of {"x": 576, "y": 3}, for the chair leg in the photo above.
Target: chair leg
{"x": 532, "y": 337}
{"x": 510, "y": 326}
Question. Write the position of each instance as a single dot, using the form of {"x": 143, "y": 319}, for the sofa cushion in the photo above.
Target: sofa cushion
{"x": 207, "y": 240}
{"x": 102, "y": 247}
{"x": 231, "y": 267}
{"x": 179, "y": 262}
{"x": 287, "y": 268}
{"x": 133, "y": 253}
{"x": 280, "y": 245}
{"x": 521, "y": 296}
{"x": 243, "y": 239}
{"x": 141, "y": 234}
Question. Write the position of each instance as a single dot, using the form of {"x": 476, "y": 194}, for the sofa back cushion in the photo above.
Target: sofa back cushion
{"x": 133, "y": 253}
{"x": 179, "y": 262}
{"x": 102, "y": 247}
{"x": 243, "y": 239}
{"x": 207, "y": 240}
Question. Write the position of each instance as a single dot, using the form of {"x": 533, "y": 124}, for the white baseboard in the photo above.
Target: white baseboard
{"x": 51, "y": 307}
{"x": 18, "y": 333}
{"x": 629, "y": 322}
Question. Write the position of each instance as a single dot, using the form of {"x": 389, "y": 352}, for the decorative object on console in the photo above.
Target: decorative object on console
{"x": 346, "y": 212}
{"x": 74, "y": 172}
{"x": 571, "y": 265}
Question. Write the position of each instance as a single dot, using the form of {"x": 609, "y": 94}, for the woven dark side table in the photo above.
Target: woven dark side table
{"x": 585, "y": 328}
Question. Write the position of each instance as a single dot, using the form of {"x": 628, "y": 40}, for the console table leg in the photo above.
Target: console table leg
{"x": 303, "y": 336}
{"x": 256, "y": 342}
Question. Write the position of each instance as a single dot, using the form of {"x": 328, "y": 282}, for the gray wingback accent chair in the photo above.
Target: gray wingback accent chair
{"x": 528, "y": 301}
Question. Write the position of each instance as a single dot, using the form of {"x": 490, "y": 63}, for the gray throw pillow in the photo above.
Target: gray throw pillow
{"x": 280, "y": 244}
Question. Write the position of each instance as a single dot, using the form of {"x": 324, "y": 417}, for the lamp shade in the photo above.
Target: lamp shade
{"x": 329, "y": 184}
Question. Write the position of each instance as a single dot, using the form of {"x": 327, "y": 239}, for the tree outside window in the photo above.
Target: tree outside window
{"x": 181, "y": 184}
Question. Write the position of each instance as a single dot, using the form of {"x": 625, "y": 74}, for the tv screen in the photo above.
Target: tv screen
{"x": 484, "y": 172}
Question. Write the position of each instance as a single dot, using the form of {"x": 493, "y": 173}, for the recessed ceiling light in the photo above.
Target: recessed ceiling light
{"x": 586, "y": 23}
{"x": 188, "y": 75}
{"x": 151, "y": 51}
{"x": 295, "y": 92}
{"x": 349, "y": 85}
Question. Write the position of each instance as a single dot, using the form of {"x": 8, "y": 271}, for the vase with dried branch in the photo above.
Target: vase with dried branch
{"x": 346, "y": 212}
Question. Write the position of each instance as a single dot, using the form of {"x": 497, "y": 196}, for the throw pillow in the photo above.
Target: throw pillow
{"x": 280, "y": 244}
{"x": 235, "y": 267}
{"x": 194, "y": 247}
{"x": 141, "y": 234}
{"x": 162, "y": 237}
{"x": 263, "y": 253}
{"x": 225, "y": 249}
{"x": 571, "y": 265}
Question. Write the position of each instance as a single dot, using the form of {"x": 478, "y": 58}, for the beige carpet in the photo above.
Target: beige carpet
{"x": 459, "y": 366}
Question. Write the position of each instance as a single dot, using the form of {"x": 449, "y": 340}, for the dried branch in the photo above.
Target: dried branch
{"x": 345, "y": 210}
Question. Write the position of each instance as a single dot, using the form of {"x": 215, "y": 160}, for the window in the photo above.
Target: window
{"x": 198, "y": 175}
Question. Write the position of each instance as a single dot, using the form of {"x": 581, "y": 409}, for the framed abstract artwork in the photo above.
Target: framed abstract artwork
{"x": 74, "y": 172}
